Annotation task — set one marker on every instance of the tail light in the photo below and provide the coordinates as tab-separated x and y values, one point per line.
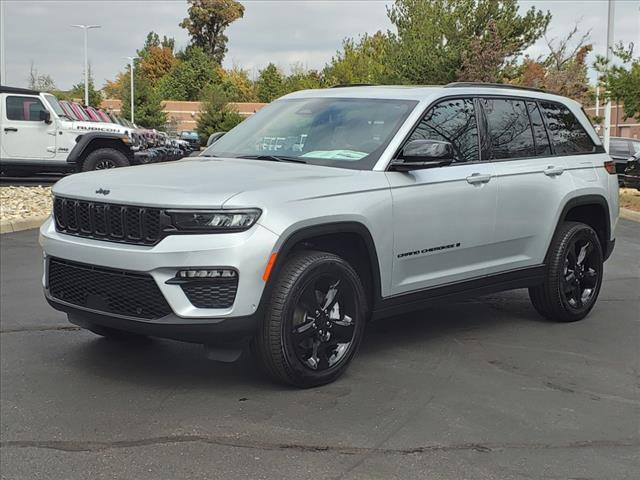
610	167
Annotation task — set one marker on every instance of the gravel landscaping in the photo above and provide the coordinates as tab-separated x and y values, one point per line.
18	203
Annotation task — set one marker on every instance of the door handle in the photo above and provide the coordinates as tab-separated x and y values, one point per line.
10	129
552	171
478	178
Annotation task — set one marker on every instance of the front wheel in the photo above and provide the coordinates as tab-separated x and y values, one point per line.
104	158
314	321
573	275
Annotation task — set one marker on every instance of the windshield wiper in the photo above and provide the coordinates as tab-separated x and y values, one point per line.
273	158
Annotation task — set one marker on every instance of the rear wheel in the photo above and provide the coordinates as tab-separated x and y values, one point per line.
314	321
104	158
573	275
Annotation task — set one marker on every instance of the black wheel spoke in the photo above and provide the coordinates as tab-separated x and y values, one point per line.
304	330
331	297
590	278
342	330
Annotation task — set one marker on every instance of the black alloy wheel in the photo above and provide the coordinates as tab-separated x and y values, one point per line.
573	277
322	326
314	321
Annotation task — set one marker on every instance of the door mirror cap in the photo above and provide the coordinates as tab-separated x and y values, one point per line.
45	116
421	154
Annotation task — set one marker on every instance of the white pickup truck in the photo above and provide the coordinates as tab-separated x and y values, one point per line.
37	136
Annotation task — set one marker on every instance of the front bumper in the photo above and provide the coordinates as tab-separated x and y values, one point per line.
247	252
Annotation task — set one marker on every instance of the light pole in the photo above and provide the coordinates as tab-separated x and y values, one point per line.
607	108
131	60
86	60
3	60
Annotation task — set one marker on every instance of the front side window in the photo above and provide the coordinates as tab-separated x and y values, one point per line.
452	121
29	109
508	129
567	134
338	132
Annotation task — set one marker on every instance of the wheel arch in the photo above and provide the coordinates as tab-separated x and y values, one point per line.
351	240
592	210
90	142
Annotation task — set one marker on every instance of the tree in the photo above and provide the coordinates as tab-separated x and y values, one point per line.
622	82
40	81
216	115
190	75
207	22
362	61
237	85
156	57
302	79
484	60
113	88
563	70
269	83
77	91
432	37
147	103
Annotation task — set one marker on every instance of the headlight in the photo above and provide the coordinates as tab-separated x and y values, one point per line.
214	220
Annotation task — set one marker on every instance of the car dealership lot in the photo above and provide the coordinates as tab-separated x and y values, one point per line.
477	388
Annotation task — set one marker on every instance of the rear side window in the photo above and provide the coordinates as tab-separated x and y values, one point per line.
24	109
543	147
452	121
567	134
508	128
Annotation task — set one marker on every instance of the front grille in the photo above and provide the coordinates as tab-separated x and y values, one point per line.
106	290
211	294
107	221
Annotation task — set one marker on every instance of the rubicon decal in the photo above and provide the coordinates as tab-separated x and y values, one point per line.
428	250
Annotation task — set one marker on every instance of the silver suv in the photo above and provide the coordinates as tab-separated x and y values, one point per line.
330	208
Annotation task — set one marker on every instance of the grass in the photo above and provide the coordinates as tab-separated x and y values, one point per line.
630	198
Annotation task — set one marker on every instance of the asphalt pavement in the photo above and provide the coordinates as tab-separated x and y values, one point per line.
481	388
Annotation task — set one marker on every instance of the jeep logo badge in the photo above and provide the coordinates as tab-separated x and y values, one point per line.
102	191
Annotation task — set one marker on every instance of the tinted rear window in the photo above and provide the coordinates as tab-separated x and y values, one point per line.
543	147
567	134
509	129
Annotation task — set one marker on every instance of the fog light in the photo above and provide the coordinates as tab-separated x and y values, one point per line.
213	273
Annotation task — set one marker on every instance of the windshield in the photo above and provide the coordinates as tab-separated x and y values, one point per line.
53	102
337	132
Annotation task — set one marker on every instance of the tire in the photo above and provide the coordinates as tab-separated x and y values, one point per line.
114	334
573	275
104	158
298	341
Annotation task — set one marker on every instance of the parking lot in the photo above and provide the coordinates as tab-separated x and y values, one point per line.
481	388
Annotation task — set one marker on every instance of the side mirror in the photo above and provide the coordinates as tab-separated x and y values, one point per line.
421	154
214	137
45	116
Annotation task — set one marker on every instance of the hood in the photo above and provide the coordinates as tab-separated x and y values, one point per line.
200	182
84	127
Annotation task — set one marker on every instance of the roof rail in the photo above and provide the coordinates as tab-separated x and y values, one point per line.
493	85
346	85
23	91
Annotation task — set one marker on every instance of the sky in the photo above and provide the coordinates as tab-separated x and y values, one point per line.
306	32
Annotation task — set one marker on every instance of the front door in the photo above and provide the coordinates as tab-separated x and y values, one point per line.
444	218
24	134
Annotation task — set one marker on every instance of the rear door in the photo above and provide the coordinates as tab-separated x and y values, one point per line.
24	134
444	218
540	151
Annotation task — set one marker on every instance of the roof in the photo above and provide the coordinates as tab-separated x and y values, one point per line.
23	91
425	92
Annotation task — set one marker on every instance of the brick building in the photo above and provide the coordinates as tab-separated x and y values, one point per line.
629	128
184	115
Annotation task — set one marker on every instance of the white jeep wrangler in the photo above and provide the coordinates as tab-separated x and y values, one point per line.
37	136
329	208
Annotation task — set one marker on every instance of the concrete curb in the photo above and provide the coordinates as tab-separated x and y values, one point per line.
9	226
630	214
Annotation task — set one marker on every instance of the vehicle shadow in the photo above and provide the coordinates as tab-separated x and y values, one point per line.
166	363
